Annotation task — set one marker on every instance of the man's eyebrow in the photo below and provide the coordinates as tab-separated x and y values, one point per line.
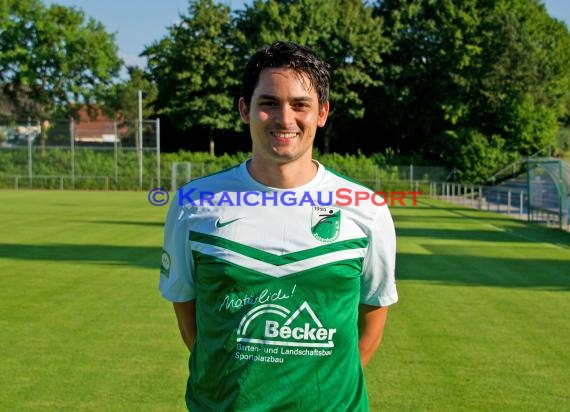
266	97
303	99
296	99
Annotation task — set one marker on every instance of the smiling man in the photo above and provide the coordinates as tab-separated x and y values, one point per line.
281	306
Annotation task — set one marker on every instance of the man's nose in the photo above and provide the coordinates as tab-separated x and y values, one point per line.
286	116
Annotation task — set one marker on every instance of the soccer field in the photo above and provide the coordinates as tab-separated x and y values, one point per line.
482	323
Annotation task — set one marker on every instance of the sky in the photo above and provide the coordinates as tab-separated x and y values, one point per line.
139	24
136	24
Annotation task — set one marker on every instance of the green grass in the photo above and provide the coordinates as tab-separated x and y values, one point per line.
482	322
481	325
83	325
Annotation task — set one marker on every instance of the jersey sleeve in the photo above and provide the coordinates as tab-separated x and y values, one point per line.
176	275
378	283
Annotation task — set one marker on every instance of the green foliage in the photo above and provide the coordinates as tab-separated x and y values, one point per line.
480	156
498	69
55	56
122	98
356	166
534	127
194	68
417	76
527	79
563	143
95	169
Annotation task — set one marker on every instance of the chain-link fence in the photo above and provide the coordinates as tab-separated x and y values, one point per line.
98	154
387	178
91	154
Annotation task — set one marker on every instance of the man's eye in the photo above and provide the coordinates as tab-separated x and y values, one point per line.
301	106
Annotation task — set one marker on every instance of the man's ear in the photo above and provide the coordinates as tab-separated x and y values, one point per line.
243	110
323	114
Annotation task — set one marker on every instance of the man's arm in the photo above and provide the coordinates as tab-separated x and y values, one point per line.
186	316
371	321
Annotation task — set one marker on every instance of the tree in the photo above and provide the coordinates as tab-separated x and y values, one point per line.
122	98
431	71
122	104
55	57
465	71
527	74
194	68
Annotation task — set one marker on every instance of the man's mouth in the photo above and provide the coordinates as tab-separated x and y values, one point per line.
280	135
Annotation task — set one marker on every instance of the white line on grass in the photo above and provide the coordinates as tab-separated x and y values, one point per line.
510	232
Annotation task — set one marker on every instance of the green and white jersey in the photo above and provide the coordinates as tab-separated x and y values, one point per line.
277	275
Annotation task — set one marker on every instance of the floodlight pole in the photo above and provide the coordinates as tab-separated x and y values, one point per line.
562	209
140	142
528	202
158	153
116	158
72	144
30	157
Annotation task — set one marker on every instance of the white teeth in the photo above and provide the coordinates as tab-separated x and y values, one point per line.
285	135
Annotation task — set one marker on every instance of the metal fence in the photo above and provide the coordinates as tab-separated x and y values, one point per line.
510	201
541	200
126	156
388	178
106	155
100	154
91	154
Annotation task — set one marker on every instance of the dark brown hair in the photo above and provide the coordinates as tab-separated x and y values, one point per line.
285	54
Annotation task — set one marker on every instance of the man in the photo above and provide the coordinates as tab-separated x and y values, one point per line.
281	295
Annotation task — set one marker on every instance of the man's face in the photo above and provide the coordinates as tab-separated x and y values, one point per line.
283	116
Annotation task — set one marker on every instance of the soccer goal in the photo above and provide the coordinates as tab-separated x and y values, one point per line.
181	173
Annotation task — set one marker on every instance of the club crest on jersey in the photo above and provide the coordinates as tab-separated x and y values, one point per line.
165	263
325	223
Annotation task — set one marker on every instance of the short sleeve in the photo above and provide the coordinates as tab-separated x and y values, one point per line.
176	275
378	283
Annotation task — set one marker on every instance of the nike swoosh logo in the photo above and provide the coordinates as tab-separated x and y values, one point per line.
219	223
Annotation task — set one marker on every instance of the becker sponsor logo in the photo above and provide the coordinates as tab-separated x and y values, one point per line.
272	324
